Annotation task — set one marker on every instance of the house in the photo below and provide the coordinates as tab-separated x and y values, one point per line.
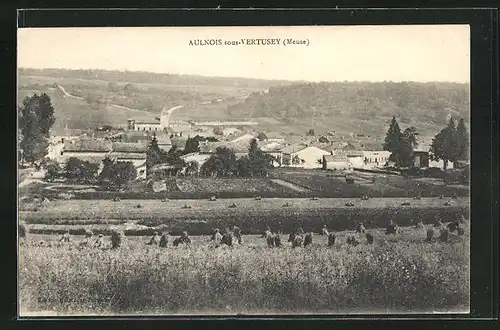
303	156
336	162
228	131
335	147
375	158
421	158
197	157
211	147
275	137
243	138
150	126
141	172
355	158
129	152
164	142
133	136
273	149
86	149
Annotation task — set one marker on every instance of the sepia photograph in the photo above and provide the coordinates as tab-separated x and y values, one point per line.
253	170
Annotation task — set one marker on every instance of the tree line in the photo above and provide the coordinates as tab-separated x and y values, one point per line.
449	145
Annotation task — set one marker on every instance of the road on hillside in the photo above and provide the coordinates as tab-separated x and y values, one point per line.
164	111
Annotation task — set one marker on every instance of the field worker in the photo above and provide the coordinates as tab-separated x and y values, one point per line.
324	231
269	238
217	237
185	238
361	227
237	234
163	240
65	237
155	240
99	243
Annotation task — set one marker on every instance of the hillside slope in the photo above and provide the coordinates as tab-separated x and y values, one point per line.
79	114
359	107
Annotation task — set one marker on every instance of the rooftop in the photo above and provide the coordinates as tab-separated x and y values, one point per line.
88	145
335	158
137	147
126	155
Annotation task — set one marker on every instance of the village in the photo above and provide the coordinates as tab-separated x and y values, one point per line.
129	144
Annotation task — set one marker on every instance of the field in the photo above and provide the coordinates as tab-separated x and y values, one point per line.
251	215
224	185
400	273
327	184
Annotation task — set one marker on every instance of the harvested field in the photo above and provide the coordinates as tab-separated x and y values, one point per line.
250	214
397	273
224	185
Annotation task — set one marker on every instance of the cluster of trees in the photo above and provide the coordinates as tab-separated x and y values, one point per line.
224	163
155	155
193	144
113	174
401	143
449	145
36	117
116	175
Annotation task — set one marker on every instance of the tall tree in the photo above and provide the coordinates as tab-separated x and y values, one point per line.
221	163
260	162
393	138
409	142
46	118
192	145
446	145
463	140
154	154
36	117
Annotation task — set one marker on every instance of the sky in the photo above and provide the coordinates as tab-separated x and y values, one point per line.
334	53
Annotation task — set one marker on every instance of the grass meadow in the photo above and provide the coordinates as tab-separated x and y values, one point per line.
401	273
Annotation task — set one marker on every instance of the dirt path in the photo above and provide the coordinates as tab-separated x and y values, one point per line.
290	185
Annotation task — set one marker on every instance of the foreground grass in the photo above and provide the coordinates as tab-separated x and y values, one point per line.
396	275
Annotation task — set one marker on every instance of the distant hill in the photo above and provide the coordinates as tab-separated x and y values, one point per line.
278	106
152	78
359	107
146	92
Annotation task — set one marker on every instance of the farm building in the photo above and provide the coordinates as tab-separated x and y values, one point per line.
275	137
336	162
273	149
421	158
303	156
86	148
196	157
135	125
375	158
129	152
164	142
230	131
243	138
355	158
